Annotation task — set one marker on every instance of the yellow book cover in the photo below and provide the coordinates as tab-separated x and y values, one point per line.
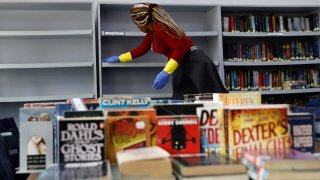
238	99
254	128
126	132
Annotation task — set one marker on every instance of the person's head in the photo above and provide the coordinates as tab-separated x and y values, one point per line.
146	14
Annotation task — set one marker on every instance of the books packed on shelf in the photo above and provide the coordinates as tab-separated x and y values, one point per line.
126	132
281	164
148	161
78	171
254	128
195	165
36	138
302	131
178	134
81	137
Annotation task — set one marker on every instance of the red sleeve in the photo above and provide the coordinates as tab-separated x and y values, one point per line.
178	45
143	48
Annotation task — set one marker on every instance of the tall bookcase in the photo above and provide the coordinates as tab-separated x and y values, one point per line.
265	46
47	53
118	34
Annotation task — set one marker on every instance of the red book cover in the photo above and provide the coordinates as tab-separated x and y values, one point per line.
179	134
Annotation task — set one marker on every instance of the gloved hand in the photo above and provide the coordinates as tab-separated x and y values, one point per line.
113	59
161	80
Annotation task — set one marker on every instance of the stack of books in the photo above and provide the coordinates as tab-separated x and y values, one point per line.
203	166
281	164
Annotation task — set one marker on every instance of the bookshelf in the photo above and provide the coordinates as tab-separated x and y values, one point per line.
47	53
265	46
117	34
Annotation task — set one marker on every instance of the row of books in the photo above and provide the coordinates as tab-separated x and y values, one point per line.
268	50
252	80
178	128
270	23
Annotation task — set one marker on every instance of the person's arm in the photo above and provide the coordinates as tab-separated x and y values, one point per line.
179	50
177	44
142	49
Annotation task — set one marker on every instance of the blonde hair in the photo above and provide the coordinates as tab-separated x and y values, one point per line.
142	13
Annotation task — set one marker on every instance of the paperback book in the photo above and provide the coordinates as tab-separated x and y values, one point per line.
78	171
81	139
147	161
36	138
209	118
205	165
302	131
179	134
126	132
254	128
150	112
238	99
124	101
177	109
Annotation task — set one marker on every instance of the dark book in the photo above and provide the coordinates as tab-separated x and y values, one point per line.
204	165
75	171
313	110
302	131
81	139
177	109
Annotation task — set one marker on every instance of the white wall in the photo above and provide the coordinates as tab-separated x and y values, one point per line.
203	2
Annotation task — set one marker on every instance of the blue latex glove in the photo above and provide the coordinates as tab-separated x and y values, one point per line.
161	80
113	59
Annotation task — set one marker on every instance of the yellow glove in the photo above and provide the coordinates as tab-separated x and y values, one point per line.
171	66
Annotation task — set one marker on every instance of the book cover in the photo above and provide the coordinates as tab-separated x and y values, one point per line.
81	139
179	134
138	112
123	101
126	132
238	99
254	128
209	119
67	171
60	112
36	138
36	145
204	165
302	131
314	110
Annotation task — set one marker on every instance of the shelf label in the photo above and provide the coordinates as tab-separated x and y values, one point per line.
275	34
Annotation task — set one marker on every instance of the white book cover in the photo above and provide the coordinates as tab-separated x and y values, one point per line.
36	138
141	154
36	146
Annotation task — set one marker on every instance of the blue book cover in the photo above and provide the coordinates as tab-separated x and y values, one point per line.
122	102
302	131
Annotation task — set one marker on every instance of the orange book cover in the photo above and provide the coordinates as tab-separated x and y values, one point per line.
238	99
126	132
254	128
138	112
